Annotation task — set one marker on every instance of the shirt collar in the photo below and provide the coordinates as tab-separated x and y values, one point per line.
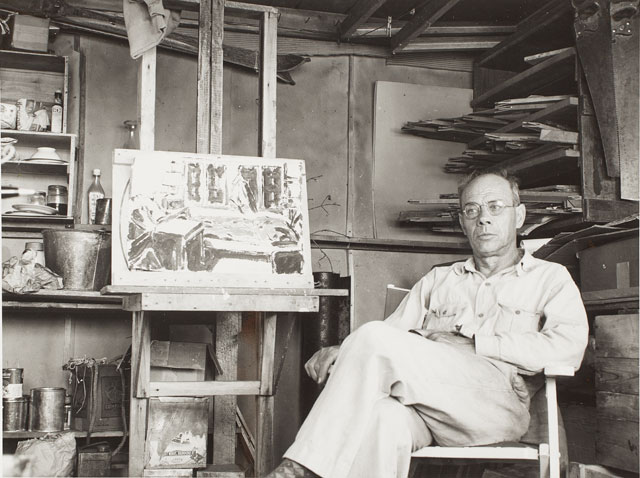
523	265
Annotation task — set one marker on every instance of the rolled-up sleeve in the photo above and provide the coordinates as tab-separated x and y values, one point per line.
561	340
411	311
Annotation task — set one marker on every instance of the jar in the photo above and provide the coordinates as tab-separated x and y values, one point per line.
38	249
57	198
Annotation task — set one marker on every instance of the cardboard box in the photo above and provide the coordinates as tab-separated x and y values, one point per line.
178	361
177	432
610	266
29	33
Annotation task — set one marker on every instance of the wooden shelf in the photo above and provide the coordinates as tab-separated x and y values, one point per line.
563	111
42	135
31	224
22	167
21	435
31	61
531	81
61	299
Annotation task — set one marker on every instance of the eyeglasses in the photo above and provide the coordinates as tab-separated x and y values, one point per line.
472	209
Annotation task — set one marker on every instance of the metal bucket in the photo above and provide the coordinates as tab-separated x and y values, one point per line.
14	414
82	258
47	409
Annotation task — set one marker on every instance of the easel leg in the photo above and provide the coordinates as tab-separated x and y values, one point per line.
265	402
264	441
224	407
140	343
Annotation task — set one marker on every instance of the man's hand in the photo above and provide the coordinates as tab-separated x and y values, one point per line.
452	339
318	366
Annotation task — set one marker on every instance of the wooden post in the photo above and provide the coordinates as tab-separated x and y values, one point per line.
140	351
203	110
141	331
147	99
265	401
268	63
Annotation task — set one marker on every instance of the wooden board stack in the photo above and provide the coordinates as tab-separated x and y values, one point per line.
543	205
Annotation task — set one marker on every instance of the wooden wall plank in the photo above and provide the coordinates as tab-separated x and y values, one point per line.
618	375
617	335
617	444
617	406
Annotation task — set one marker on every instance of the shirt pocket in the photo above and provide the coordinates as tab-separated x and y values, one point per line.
513	318
444	317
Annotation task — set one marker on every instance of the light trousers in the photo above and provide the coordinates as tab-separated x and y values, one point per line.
391	392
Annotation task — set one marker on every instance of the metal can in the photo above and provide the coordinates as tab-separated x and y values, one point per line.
47	409
12	382
14	414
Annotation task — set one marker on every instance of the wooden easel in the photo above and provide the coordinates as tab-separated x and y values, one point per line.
228	304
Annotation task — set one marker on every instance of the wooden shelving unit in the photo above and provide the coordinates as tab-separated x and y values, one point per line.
552	76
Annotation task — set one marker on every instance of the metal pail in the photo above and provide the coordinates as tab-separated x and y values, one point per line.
14	414
47	409
82	258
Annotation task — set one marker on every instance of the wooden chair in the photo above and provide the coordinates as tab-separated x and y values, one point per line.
546	453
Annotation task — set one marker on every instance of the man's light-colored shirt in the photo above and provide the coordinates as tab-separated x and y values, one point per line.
529	315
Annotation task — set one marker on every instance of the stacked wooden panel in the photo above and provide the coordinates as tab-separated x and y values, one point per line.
617	391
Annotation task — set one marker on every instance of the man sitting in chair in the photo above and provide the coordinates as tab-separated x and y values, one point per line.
450	365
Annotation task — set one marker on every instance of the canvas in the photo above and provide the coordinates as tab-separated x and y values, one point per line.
200	220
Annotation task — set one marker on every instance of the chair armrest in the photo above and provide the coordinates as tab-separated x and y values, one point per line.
559	371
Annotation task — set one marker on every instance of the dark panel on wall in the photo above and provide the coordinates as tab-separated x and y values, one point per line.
312	125
374	270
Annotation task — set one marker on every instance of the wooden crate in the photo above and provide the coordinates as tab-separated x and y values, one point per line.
617	391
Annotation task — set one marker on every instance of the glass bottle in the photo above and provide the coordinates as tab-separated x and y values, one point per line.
94	193
131	141
56	113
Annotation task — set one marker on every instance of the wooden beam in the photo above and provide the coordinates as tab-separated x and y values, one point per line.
222	303
268	66
147	99
217	33
203	389
459	43
358	14
203	119
422	20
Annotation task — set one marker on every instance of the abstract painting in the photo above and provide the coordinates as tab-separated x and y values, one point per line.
201	220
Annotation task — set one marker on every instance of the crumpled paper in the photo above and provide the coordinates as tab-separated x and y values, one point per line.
25	275
51	455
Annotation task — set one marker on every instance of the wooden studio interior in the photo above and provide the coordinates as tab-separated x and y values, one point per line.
198	195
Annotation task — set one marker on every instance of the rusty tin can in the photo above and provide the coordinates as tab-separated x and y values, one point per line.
12	382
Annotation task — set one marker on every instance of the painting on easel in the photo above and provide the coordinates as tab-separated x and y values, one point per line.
199	220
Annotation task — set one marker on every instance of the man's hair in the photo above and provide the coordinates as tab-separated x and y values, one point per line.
502	173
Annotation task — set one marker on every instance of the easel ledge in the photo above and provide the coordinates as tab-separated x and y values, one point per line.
131	289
